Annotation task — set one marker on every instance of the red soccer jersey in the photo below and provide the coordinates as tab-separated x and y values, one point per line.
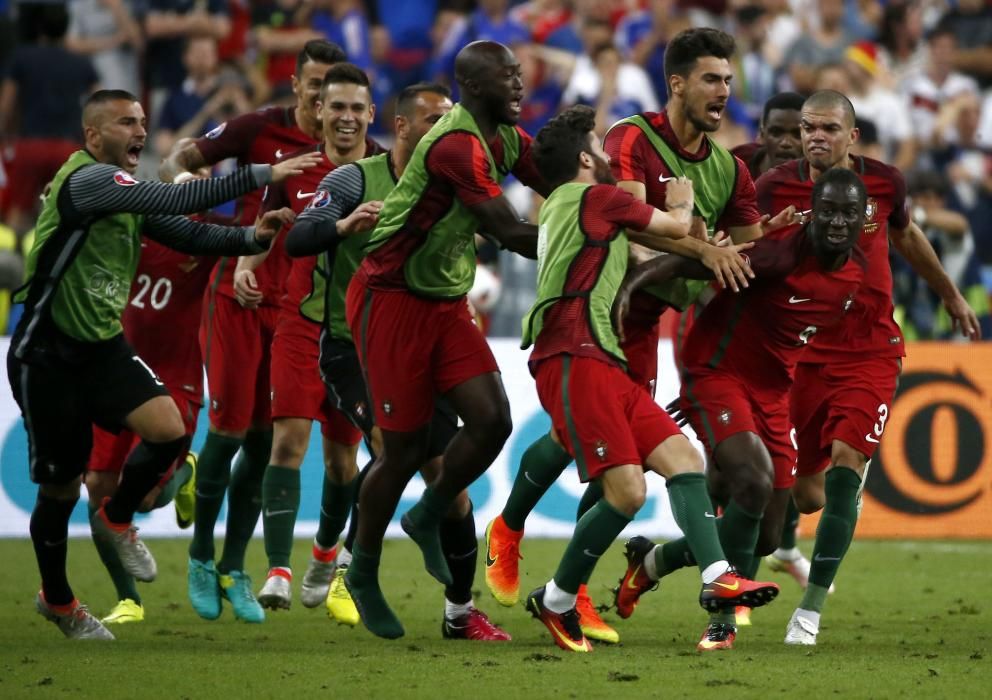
760	333
869	329
750	154
162	318
604	212
632	157
459	167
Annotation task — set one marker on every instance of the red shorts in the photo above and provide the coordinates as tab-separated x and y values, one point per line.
33	164
601	417
719	405
411	350
236	349
297	389
110	451
640	345
847	401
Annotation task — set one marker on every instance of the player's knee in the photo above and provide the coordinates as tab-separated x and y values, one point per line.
842	454
676	455
100	485
809	501
769	538
65	491
629	496
493	423
340	465
168	428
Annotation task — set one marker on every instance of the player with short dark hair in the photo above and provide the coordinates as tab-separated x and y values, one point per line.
413	283
237	344
600	416
738	365
845	382
779	139
69	365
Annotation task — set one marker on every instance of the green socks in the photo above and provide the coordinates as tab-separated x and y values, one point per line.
214	471
789	527
335	505
362	581
738	531
833	535
422	523
244	499
693	513
542	464
124	582
179	477
594	534
280	503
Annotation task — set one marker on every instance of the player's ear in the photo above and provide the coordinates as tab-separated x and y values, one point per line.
295	82
585	160
676	84
371	113
855	134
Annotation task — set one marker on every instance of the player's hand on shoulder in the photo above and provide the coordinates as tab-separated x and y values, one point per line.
787	217
678	194
246	289
364	218
295	166
724	259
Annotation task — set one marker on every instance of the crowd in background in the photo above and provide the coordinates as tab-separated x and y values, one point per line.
919	74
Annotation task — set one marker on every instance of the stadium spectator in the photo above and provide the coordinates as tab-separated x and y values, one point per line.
825	43
107	31
785	24
491	22
755	76
971	22
900	46
342	22
568	37
642	35
542	17
40	109
280	36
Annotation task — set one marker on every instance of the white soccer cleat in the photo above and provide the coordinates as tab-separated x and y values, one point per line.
78	624
801	631
276	593
134	555
316	582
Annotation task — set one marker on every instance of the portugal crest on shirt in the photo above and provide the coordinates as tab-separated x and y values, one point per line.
871	208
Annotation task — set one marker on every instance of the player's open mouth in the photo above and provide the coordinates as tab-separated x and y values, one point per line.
346	130
133	153
837	238
715	111
515	105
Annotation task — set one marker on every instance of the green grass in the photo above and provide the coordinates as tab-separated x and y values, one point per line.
908	619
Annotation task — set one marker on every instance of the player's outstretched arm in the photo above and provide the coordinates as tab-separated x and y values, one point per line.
914	246
198	238
673	223
500	222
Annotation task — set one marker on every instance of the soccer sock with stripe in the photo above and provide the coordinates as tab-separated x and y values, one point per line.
280	503
594	534
143	469
692	511
214	472
335	503
124	583
461	551
179	477
49	535
542	463
349	539
244	499
833	535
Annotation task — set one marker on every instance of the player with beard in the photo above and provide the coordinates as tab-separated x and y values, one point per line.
779	139
413	283
600	416
846	381
646	152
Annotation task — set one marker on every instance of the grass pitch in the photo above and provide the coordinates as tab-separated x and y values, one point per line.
909	619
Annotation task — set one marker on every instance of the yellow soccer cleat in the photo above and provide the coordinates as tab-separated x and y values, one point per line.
742	616
340	606
125	611
592	625
185	500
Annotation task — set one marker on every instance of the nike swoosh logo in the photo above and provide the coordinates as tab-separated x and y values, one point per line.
490	559
709	515
793	300
278	153
871	438
566	639
662	178
300	194
590	554
270	513
55	544
630	581
737	584
820	557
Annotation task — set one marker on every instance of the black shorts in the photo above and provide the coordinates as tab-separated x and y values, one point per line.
346	389
60	402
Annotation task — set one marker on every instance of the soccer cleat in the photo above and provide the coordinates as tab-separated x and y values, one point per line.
76	624
742	616
235	586
502	555
797	568
125	611
316	582
185	500
276	593
717	637
730	590
340	606
564	627
591	624
203	589
473	625
635	581
134	555
801	631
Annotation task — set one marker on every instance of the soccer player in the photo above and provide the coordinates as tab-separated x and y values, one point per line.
779	139
412	284
646	152
345	111
845	382
599	415
69	364
237	343
344	199
738	365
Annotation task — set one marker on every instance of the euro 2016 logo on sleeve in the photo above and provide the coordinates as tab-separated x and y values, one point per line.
934	465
